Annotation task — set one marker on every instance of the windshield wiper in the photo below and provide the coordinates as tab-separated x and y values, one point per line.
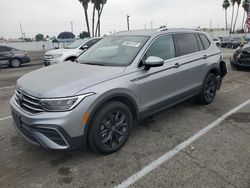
98	64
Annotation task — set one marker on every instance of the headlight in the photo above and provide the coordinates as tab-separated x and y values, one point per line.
57	56
62	104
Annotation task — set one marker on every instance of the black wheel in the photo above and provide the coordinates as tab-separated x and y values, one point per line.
208	91
15	63
110	127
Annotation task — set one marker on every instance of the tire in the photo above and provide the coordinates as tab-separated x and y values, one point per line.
15	63
110	128
208	91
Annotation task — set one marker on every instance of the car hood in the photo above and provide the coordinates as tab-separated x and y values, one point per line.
59	51
65	79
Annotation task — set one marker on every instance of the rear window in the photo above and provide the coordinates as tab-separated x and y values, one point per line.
205	41
186	43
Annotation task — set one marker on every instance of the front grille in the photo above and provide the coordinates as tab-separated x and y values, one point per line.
27	102
48	58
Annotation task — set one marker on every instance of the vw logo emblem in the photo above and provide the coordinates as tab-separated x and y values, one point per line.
20	98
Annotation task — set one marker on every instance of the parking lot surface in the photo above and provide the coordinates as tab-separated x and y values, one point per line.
219	158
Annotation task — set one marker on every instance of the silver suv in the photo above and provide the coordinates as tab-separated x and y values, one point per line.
124	77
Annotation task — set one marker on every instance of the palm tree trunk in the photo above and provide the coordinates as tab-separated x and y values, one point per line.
244	15
231	27
98	25
236	17
226	18
93	21
87	19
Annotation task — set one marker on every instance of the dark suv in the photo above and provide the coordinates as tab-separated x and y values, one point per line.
13	57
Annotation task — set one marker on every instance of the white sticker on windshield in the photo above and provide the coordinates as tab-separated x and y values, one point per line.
131	44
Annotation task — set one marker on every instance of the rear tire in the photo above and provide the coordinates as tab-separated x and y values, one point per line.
208	91
110	128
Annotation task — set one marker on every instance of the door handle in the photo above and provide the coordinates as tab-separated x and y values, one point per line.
177	65
205	57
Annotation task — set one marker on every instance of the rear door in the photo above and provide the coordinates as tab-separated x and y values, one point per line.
159	85
192	59
5	54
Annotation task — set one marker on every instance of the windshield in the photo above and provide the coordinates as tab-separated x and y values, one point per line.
76	43
114	51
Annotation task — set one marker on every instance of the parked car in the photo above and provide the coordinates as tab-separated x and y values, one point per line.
13	57
124	77
226	42
217	41
241	57
236	42
70	52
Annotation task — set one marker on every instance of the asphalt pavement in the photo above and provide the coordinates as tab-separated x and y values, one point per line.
218	158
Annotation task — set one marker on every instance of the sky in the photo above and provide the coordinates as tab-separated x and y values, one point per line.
50	17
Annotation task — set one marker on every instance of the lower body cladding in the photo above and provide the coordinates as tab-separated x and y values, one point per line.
52	130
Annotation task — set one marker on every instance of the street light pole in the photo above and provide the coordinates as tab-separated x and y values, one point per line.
128	22
71	24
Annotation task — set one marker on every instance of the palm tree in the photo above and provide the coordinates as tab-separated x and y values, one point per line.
85	4
233	3
225	5
93	16
238	3
245	5
99	8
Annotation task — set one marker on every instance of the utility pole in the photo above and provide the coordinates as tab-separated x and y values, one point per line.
71	24
210	25
128	22
151	23
21	30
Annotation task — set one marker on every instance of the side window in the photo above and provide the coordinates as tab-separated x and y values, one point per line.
162	47
200	42
92	42
186	43
205	41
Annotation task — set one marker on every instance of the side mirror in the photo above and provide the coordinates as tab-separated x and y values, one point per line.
84	47
153	61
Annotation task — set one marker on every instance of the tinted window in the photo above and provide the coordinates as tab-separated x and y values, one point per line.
205	41
4	49
186	44
92	42
200	43
162	47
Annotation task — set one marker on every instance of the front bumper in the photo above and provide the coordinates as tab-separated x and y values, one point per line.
240	63
48	60
25	59
59	130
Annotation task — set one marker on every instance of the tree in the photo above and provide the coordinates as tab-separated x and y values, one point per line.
238	3
245	6
233	3
39	37
84	34
225	6
85	4
100	6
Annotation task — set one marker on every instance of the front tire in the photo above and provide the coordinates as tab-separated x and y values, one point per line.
15	63
208	91
110	127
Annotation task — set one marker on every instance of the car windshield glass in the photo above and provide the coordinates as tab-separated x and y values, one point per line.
76	44
246	50
114	51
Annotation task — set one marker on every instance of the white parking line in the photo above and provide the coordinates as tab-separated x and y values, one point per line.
9	87
5	118
147	169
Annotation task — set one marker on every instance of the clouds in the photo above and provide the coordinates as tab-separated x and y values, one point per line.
52	17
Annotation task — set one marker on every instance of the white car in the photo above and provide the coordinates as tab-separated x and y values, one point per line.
70	52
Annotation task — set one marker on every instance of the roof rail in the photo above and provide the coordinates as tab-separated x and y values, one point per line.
162	29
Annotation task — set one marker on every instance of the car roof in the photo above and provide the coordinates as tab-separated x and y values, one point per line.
153	32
